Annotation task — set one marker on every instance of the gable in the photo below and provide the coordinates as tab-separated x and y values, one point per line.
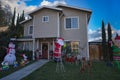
43	8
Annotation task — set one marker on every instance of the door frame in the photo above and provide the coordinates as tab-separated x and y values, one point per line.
48	48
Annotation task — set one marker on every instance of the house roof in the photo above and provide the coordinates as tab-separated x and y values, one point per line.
26	20
68	6
57	9
45	7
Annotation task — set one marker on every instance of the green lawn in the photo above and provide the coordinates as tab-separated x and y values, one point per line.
99	72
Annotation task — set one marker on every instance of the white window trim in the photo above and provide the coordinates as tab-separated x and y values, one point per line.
29	30
71	17
43	18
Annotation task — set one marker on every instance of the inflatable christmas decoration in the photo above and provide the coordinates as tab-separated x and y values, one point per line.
10	57
116	48
15	64
24	60
58	54
116	52
5	66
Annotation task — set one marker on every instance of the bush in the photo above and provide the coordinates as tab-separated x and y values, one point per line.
2	53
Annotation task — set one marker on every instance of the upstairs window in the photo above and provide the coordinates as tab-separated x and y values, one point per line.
71	23
31	30
45	19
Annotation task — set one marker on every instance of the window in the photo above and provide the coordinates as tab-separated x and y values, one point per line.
45	19
75	46
71	23
72	46
30	29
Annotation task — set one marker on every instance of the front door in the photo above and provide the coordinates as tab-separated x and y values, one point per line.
45	50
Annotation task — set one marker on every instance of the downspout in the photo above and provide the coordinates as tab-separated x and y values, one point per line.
33	54
87	53
58	22
33	49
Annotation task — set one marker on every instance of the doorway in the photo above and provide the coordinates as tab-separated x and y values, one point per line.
45	50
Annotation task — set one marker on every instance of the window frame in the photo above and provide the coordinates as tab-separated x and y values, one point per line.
77	17
72	44
29	30
44	20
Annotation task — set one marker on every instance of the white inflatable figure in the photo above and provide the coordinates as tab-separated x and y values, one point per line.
25	57
60	41
10	57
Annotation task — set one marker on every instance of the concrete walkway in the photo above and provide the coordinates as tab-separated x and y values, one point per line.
25	71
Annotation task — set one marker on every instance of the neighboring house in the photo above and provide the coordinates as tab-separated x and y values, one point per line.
48	23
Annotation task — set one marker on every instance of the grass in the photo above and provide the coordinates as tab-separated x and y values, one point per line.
99	71
12	69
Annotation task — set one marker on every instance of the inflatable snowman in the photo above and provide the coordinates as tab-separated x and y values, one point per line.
10	57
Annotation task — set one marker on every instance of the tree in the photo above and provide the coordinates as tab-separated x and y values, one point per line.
5	15
117	35
2	16
104	51
8	14
110	54
19	27
22	18
12	27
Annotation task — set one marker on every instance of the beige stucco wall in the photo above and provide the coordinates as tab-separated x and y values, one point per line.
75	34
26	28
46	29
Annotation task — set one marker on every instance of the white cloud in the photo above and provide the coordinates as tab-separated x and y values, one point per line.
118	31
20	5
47	3
44	3
94	34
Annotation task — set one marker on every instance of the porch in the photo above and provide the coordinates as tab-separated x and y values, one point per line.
44	45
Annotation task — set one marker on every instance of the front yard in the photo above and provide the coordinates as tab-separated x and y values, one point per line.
99	71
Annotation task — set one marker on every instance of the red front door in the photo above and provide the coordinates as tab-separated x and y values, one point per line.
45	50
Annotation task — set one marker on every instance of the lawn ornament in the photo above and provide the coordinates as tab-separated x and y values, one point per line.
116	51
24	60
25	57
5	65
38	54
86	65
22	63
58	54
10	57
116	48
15	64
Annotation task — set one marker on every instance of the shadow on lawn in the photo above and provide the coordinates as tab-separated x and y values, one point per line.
99	71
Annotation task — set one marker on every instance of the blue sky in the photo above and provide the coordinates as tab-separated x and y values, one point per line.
106	10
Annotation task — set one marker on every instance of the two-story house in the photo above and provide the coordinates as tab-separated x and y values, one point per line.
48	23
